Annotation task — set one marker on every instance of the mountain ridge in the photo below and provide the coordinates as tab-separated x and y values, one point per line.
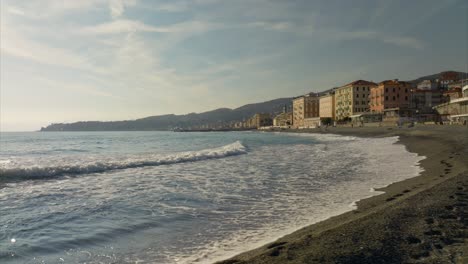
219	116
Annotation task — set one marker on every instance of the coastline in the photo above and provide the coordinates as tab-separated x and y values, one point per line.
419	220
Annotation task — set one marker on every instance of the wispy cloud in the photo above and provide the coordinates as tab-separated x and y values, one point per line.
75	87
173	7
15	44
117	7
280	26
49	8
132	26
15	10
119	26
401	41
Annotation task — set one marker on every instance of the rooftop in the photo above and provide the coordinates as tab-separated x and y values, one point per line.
360	82
393	82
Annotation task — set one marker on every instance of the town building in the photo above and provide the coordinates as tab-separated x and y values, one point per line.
390	94
456	110
457	84
327	106
428	85
423	102
453	93
306	106
352	98
259	120
284	119
312	122
447	78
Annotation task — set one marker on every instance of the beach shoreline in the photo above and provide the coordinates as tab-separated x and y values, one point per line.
419	220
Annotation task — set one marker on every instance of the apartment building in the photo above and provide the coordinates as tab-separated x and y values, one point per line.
352	98
304	107
327	105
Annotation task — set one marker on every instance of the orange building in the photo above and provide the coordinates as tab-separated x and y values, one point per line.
390	94
306	106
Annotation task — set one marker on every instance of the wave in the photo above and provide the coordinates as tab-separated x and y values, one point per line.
12	172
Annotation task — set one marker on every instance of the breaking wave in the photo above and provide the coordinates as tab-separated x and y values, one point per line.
14	171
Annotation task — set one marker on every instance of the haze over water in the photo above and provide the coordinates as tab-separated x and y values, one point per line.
164	197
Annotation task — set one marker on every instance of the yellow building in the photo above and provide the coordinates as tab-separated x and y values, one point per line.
306	106
283	120
352	98
259	120
327	106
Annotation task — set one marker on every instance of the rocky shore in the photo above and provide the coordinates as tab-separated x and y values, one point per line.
419	220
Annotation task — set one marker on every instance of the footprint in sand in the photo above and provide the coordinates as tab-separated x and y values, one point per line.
429	221
449	207
448	217
413	240
433	233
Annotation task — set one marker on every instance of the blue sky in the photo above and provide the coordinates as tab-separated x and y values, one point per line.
64	61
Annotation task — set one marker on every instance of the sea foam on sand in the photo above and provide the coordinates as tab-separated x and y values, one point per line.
379	162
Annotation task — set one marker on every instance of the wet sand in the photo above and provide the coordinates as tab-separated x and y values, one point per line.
419	220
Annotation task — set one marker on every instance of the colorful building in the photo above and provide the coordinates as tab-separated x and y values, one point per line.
259	120
283	120
390	94
306	106
456	110
453	93
327	106
428	85
447	78
352	98
423	102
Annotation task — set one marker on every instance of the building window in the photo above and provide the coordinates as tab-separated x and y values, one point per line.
393	89
393	98
406	90
386	90
386	98
357	88
406	98
357	95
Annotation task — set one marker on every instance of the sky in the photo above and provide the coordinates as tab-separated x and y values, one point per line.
66	60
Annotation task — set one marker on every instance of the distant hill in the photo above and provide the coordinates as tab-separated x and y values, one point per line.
166	122
432	77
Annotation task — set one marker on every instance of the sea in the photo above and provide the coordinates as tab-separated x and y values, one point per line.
172	197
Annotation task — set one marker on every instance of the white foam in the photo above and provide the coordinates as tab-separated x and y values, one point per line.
381	163
256	199
65	166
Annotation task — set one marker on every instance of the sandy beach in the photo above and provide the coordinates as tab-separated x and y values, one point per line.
419	220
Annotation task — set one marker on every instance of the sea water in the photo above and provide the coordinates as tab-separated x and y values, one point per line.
166	197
